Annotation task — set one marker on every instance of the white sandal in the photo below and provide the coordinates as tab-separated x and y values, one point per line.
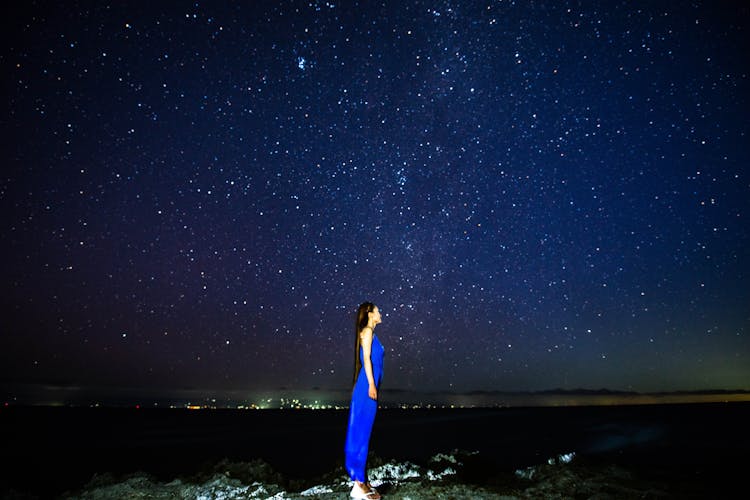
360	494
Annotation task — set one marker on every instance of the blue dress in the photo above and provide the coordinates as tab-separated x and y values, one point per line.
362	414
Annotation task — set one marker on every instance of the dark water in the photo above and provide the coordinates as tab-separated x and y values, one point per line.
699	450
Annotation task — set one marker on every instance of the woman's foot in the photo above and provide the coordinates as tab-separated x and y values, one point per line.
364	491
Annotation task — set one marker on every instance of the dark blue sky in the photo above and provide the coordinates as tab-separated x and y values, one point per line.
536	194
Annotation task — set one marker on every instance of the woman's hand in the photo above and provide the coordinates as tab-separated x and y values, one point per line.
373	392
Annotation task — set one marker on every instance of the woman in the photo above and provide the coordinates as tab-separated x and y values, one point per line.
368	370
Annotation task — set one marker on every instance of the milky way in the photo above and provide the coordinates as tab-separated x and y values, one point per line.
535	194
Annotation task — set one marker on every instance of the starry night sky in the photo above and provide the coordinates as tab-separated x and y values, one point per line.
535	194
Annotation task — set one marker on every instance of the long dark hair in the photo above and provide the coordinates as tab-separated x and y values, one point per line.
362	318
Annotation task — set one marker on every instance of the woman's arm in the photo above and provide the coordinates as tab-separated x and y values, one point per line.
366	350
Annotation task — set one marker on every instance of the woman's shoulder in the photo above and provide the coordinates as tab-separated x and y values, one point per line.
365	332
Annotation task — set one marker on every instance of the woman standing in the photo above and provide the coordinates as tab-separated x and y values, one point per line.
368	370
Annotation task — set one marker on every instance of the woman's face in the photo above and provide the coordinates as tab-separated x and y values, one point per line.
375	315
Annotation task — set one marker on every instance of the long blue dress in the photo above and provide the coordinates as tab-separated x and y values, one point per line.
362	414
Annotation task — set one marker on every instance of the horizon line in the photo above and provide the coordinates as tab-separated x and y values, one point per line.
395	390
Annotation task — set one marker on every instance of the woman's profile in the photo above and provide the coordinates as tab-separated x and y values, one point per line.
368	370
